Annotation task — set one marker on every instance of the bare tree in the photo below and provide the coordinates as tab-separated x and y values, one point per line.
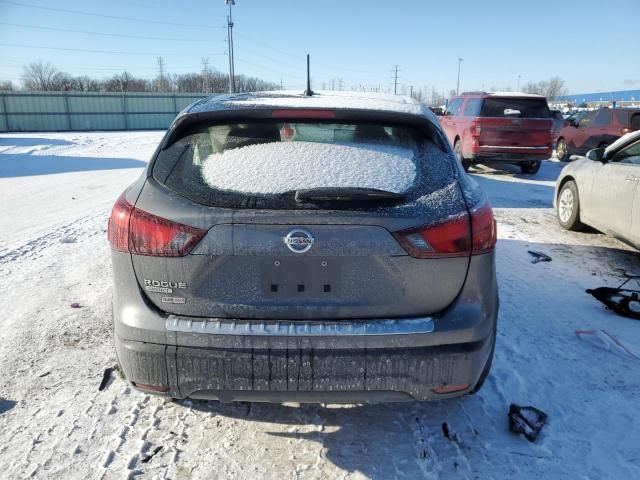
552	88
6	86
40	76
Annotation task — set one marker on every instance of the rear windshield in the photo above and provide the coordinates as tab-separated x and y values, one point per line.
515	107
264	164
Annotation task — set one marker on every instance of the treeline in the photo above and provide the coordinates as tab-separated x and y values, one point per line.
41	76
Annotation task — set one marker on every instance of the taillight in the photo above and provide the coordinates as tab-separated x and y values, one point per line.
458	237
118	228
483	229
141	233
475	129
624	131
303	113
449	239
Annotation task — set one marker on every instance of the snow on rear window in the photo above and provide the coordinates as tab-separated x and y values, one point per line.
272	168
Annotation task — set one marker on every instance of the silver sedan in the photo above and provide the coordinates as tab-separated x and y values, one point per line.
602	190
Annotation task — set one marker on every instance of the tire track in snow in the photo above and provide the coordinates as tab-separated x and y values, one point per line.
84	227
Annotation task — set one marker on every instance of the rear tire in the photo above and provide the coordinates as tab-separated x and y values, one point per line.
568	207
457	147
562	152
531	167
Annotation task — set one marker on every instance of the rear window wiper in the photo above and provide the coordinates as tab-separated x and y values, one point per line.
348	194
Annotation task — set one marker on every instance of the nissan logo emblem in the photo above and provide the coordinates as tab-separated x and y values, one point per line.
299	240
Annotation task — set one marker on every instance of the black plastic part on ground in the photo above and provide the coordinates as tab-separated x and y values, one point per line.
526	420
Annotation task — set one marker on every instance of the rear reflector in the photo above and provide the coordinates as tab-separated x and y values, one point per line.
141	233
450	388
459	237
151	388
303	113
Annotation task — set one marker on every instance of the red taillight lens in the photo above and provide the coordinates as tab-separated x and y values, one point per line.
483	229
118	229
448	239
141	233
459	237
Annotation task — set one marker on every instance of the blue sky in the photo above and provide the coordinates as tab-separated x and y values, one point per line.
592	45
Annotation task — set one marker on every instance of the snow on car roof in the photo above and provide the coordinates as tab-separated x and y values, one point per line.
514	94
321	99
629	137
285	166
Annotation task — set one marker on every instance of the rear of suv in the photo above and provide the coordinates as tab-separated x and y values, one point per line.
596	129
323	248
500	127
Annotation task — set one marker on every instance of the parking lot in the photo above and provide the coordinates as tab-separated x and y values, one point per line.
56	192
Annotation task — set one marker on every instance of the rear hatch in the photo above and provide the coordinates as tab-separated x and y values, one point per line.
305	219
515	122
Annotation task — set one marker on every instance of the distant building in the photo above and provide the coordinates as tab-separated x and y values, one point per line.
620	97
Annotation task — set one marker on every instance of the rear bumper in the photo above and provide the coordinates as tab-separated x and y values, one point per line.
304	375
316	361
511	154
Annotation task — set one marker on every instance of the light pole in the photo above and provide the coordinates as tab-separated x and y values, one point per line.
458	85
232	75
518	87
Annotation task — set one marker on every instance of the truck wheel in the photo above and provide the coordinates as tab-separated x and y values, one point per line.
561	150
568	207
531	167
466	164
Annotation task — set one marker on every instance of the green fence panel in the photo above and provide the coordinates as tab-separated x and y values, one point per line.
79	111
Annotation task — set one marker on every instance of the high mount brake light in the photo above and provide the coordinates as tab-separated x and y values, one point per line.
459	237
303	113
141	233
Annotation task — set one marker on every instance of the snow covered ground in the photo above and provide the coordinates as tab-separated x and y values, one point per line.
56	191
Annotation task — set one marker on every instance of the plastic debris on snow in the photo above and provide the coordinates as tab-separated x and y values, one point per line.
539	256
604	340
526	420
622	301
106	378
280	167
75	305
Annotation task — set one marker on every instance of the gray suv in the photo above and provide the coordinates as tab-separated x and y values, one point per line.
325	248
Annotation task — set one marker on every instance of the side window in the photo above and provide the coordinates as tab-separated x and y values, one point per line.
454	107
603	119
472	108
628	155
587	119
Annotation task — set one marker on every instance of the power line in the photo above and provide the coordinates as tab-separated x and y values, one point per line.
121	35
102	51
112	17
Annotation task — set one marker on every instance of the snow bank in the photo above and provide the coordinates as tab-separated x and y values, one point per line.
284	166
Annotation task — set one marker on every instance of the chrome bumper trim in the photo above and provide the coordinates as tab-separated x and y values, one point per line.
287	328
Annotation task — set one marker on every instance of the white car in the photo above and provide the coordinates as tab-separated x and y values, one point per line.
602	190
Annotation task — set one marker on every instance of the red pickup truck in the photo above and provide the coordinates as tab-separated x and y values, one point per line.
505	127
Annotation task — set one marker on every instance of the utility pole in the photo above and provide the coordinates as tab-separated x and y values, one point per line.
161	73
411	91
518	87
458	85
395	82
232	75
205	75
